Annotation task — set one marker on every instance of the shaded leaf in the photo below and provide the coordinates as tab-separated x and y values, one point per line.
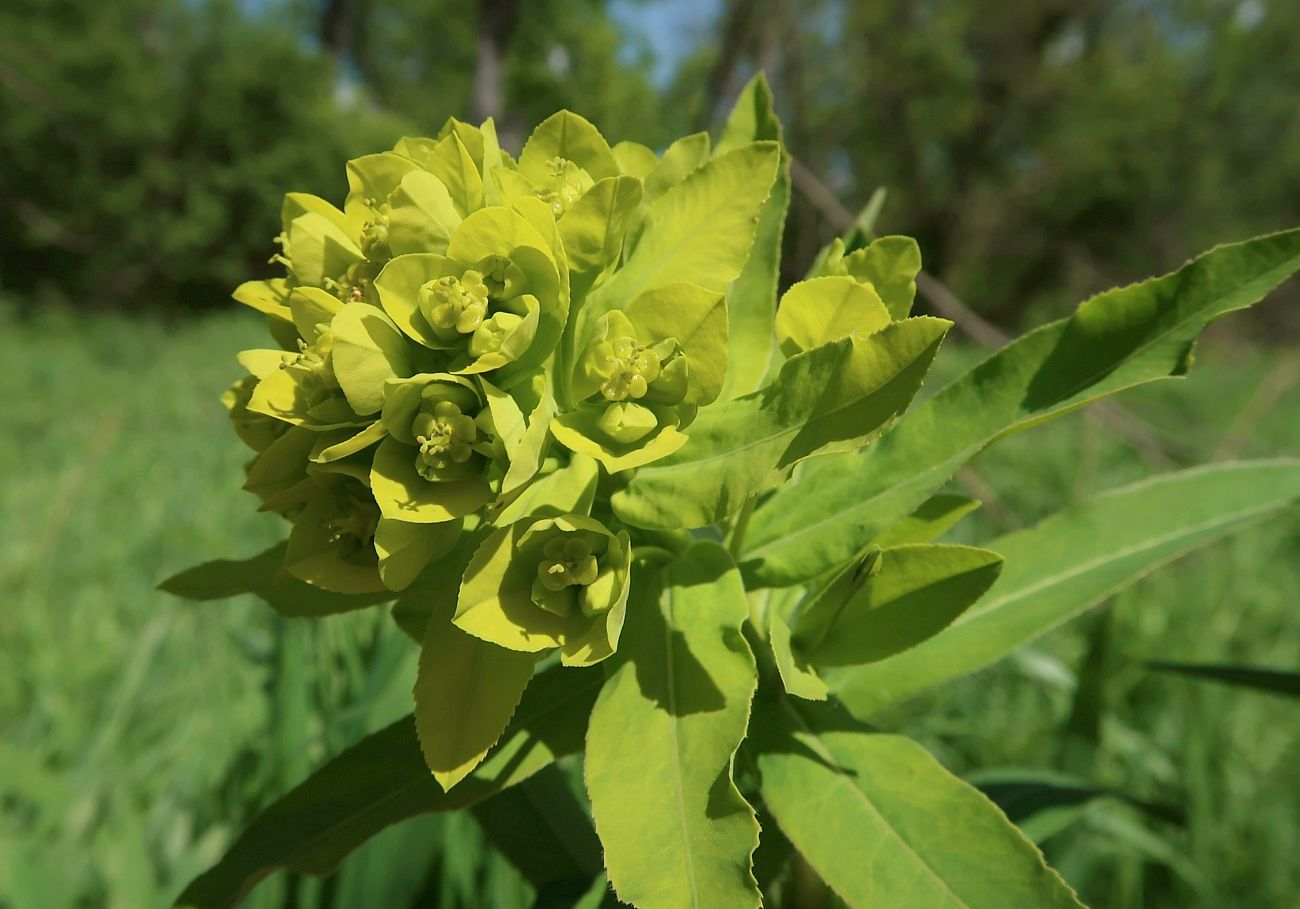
262	575
884	824
912	594
382	780
542	829
1277	681
676	831
1075	559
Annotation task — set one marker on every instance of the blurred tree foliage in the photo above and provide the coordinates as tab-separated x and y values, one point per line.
1039	149
145	144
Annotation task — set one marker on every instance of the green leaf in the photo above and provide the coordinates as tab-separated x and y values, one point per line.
499	600
368	350
404	495
839	393
569	136
820	310
529	450
1043	803
935	517
912	593
681	159
696	319
541	829
1277	681
752	118
422	216
404	549
465	692
676	831
884	824
1075	559
798	676
593	229
453	164
890	265
1119	339
372	179
311	309
567	490
263	576
382	780
635	159
751	299
699	232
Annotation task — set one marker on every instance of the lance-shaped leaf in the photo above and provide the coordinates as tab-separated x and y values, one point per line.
836	394
1122	338
752	118
263	576
382	780
1074	560
751	299
542	829
465	693
912	593
884	824
1042	803
935	517
699	232
676	831
1277	681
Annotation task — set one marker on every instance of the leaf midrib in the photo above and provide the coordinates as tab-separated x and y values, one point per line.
1052	580
1101	372
685	238
844	779
414	784
677	756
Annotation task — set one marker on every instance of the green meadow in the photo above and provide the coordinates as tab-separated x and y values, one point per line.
138	733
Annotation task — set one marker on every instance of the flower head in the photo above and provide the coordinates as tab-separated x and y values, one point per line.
549	582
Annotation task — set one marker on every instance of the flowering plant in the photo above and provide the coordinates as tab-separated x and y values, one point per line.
557	411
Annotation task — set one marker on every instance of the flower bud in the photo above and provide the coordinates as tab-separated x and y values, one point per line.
455	306
492	333
627	423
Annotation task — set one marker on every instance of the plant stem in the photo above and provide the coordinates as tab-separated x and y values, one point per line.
738	529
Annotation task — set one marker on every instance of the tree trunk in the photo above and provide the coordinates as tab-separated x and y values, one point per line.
496	24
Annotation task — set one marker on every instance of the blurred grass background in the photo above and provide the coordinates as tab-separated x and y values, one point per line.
1040	151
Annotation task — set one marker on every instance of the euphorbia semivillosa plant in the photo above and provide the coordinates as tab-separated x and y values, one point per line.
650	518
